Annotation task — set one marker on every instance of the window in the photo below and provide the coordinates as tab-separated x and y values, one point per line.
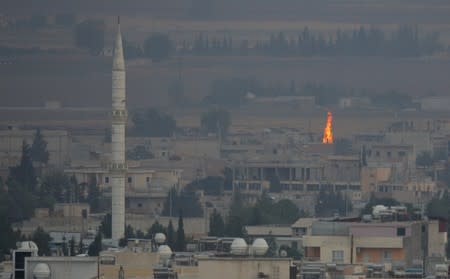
130	179
147	179
401	154
140	205
389	154
387	255
401	231
377	153
338	256
106	179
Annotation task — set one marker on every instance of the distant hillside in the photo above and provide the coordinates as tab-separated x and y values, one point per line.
369	11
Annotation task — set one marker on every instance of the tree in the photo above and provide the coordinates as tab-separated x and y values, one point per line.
42	239
54	188
139	152
211	185
255	217
180	244
8	237
272	251
329	203
22	188
24	173
96	246
216	121
90	34
106	226
275	185
186	201
93	197
129	233
216	224
170	235
72	247
153	123
80	247
39	152
154	229
234	226
157	47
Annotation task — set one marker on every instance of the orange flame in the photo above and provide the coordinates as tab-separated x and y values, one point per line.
328	131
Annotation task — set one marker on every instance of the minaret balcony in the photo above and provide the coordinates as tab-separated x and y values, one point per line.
119	116
118	167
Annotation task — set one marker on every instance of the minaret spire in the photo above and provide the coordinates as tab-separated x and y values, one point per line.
118	166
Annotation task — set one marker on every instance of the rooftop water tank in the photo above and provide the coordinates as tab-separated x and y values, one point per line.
260	247
164	252
27	246
239	247
160	238
41	271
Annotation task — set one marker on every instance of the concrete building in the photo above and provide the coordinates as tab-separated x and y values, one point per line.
61	267
396	243
243	267
331	173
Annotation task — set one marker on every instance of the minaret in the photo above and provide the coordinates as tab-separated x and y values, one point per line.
118	165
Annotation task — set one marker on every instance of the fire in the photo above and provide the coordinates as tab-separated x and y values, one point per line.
328	131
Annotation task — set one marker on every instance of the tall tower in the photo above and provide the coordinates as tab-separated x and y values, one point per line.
118	165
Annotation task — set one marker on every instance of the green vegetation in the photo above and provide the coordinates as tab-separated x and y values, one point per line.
180	242
362	41
153	123
106	226
96	246
39	151
139	152
216	121
170	235
329	203
211	185
216	225
265	211
184	201
42	239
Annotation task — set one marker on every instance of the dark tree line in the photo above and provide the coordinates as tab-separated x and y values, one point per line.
235	92
329	203
405	41
153	123
363	41
265	211
185	201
